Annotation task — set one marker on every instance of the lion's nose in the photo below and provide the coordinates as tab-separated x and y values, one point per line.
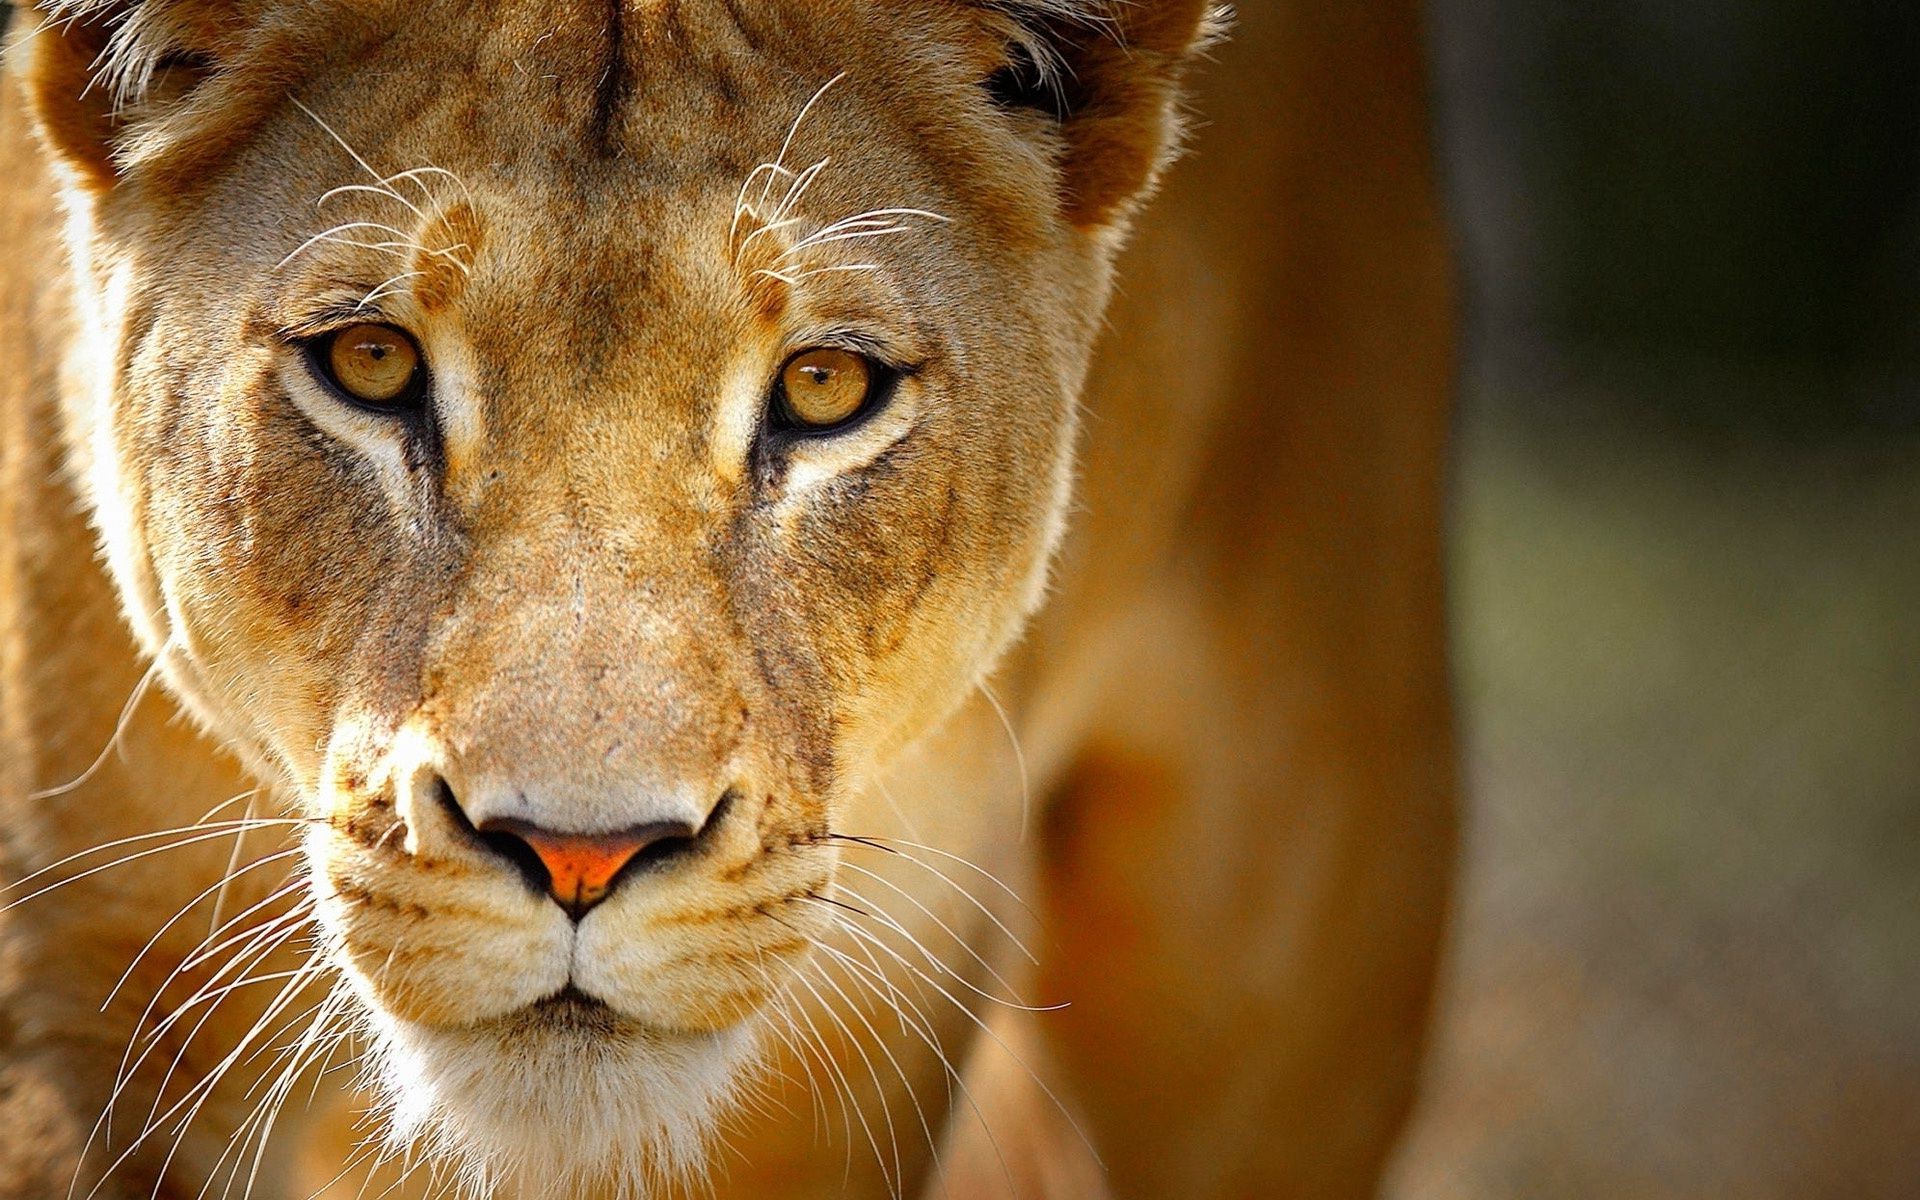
580	870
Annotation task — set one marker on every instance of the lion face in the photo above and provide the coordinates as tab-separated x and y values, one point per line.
574	452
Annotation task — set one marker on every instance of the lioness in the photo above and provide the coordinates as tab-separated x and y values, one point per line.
623	678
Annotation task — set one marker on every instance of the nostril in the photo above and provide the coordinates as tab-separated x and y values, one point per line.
517	851
579	870
505	844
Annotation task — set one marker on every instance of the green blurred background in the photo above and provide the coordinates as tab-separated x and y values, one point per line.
1687	602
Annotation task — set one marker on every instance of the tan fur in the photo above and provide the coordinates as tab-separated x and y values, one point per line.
591	593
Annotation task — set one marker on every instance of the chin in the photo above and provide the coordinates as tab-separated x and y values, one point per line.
558	1100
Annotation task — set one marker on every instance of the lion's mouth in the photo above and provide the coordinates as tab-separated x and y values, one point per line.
574	1010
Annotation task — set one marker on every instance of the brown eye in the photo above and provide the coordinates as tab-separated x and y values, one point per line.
825	387
374	364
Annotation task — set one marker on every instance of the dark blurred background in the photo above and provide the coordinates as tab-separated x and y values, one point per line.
1687	602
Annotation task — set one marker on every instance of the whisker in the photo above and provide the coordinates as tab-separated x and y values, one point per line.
402	242
120	727
964	943
891	846
983	1027
934	961
253	949
1019	757
225	880
879	1158
849	970
201	1090
843	1089
374	189
985	910
798	189
880	1090
794	130
954	1078
388	288
343	144
309	1048
211	832
794	278
777	1005
233	861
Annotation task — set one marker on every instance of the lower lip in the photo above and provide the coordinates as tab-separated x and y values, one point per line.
572	1006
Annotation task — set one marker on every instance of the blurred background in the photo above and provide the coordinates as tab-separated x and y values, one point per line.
1687	602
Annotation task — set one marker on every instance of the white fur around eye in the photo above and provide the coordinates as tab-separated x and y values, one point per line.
813	461
380	438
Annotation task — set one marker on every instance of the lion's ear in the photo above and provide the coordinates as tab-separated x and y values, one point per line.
96	71
1107	77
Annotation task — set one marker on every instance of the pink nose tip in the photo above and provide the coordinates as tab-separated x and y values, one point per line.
581	868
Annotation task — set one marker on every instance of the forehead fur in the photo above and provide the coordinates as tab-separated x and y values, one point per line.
145	34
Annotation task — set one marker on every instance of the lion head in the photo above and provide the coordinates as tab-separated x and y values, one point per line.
571	445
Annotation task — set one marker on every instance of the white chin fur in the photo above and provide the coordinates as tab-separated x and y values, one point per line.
524	1109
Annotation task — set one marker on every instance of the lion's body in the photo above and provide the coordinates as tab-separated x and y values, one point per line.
1231	712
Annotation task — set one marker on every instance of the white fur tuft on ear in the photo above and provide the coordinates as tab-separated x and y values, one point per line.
101	75
1110	72
135	39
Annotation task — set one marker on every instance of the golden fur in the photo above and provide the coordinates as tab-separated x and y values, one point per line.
588	588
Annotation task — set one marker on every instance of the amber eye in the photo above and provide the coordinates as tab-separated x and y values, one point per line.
374	364
825	387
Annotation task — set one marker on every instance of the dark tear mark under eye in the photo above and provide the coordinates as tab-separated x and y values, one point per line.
773	445
421	448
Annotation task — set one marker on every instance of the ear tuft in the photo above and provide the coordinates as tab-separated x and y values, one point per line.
1110	73
91	67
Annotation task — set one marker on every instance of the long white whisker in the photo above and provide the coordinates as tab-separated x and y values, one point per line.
798	189
118	862
225	881
815	241
402	240
891	846
264	939
928	1036
130	1064
1019	756
793	278
849	1103
371	189
203	1089
390	287
880	1159
983	1027
233	863
880	1090
245	1050
794	130
949	931
342	142
120	726
919	1109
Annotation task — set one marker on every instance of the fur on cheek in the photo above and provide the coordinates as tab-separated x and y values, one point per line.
638	1108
